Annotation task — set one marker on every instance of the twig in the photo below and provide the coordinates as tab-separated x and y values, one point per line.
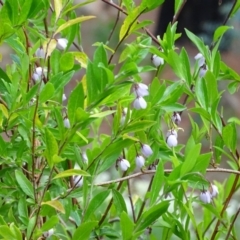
232	224
131	201
209	170
175	17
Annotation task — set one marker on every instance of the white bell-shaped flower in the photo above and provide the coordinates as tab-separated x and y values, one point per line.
157	61
62	43
205	196
66	123
123	164
172	141
203	70
139	103
140	90
171	132
200	59
146	150
40	53
48	233
140	161
213	189
176	118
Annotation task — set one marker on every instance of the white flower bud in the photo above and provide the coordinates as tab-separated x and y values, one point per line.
171	132
62	43
200	59
205	196
66	123
172	141
85	157
157	61
64	98
203	70
176	118
37	75
213	189
40	53
48	233
139	103
123	164
140	161
140	90
146	150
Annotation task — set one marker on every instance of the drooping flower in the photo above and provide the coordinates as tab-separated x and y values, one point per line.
48	233
139	103
146	150
40	53
140	90
140	161
171	138
213	190
123	164
205	196
37	75
200	59
62	43
203	70
176	118
66	123
157	61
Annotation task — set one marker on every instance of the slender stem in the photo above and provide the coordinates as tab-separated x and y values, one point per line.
209	170
110	204
131	201
175	17
145	198
232	224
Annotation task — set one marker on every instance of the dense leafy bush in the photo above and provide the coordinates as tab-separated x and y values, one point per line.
53	151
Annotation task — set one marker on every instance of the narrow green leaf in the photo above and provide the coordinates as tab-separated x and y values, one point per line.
75	101
55	204
51	147
47	92
57	8
151	215
220	31
157	183
66	61
84	230
50	223
230	136
71	172
6	232
127	226
118	201
202	93
17	233
72	22
95	203
24	183
138	126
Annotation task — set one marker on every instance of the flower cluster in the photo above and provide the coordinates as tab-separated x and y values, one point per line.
202	64
140	90
206	196
171	138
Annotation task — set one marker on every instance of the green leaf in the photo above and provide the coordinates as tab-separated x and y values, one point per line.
57	7
17	233
220	31
127	226
24	183
202	93
118	201
157	184
50	223
102	114
47	92
190	159
72	22
25	10
75	101
66	61
95	203
51	147
151	215
138	126
230	136
6	232
30	226
55	204
84	230
71	172
147	5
